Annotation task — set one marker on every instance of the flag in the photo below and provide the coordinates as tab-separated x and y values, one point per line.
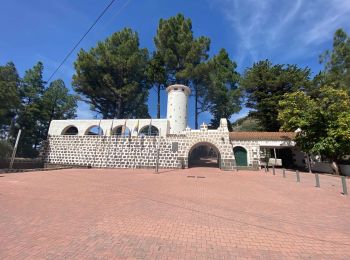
137	126
99	130
123	128
150	128
111	130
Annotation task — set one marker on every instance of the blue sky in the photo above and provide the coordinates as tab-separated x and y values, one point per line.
284	31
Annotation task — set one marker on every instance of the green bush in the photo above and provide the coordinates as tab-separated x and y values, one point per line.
5	149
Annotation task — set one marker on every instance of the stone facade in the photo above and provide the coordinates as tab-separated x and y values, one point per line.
138	152
122	143
253	150
114	151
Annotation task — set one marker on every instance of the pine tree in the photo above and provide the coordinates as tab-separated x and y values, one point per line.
182	56
265	84
337	62
112	76
224	96
9	97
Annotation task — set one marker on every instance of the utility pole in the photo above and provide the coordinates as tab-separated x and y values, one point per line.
15	148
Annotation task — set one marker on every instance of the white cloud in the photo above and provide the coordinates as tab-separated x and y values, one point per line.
282	28
324	19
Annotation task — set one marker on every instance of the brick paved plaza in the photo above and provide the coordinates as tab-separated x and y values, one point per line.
136	214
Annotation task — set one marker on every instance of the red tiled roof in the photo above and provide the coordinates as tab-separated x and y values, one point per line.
270	136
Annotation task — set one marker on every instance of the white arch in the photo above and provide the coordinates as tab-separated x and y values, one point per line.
63	132
210	143
204	143
153	128
233	147
100	130
203	140
126	131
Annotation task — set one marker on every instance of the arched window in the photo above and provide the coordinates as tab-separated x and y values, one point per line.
149	130
94	130
70	130
120	130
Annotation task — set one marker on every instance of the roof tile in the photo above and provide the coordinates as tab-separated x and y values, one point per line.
270	136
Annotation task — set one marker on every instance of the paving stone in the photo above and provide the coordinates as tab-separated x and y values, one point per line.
136	214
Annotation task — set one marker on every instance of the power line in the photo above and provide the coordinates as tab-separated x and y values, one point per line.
81	39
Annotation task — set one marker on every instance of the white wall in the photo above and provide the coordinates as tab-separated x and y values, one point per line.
57	126
177	108
327	168
345	169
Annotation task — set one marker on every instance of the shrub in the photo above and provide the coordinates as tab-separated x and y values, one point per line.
5	149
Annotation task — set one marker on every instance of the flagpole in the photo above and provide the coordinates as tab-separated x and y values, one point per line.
149	138
98	134
136	139
110	140
150	127
122	133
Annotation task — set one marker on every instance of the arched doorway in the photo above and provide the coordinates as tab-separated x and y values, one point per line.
240	156
204	154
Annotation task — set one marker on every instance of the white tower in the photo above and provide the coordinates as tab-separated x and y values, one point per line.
177	107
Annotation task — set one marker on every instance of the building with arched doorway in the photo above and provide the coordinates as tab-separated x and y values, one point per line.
204	154
126	143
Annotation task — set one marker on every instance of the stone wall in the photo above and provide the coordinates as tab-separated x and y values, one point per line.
219	138
109	151
139	152
252	148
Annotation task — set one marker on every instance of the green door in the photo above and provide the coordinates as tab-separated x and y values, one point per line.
240	156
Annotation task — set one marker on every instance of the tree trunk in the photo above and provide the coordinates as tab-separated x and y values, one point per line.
158	101
335	167
118	108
